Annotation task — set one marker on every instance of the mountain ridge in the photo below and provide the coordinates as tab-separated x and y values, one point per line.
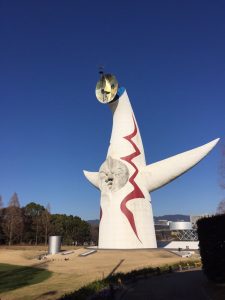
173	218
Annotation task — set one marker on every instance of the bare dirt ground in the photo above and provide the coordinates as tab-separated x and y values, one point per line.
70	272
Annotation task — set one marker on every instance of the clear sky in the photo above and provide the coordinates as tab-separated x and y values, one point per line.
170	56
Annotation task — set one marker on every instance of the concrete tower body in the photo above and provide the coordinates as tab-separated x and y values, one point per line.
125	181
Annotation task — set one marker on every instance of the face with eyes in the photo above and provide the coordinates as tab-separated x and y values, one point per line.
113	175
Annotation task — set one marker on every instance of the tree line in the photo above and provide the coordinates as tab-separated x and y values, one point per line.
34	223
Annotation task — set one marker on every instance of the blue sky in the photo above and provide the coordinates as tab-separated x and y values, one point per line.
168	54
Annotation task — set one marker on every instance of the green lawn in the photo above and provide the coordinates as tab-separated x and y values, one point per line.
13	277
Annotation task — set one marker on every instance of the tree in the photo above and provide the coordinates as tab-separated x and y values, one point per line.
83	233
32	218
72	228
211	236
45	216
1	203
13	221
221	205
94	230
58	225
222	169
1	208
1	219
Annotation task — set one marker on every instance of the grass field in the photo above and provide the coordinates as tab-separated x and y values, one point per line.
13	277
70	272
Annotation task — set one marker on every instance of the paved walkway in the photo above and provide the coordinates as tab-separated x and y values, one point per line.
187	285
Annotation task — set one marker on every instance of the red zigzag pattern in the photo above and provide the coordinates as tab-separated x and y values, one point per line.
136	193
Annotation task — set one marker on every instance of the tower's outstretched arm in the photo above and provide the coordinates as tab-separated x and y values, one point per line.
92	177
162	172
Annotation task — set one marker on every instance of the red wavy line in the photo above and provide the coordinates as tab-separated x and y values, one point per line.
136	193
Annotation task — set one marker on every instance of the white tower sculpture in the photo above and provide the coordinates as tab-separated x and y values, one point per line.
124	179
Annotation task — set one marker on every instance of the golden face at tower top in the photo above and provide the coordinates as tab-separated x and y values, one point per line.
106	88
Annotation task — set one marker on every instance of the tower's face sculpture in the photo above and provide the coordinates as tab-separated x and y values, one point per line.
113	175
126	219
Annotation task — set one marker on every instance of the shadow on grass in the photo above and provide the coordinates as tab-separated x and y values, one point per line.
13	277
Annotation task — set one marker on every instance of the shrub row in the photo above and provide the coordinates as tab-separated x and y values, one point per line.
103	289
211	233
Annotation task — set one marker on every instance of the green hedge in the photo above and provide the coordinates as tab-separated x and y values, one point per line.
211	233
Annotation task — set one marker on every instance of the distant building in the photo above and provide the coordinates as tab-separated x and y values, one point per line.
183	231
162	230
162	222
